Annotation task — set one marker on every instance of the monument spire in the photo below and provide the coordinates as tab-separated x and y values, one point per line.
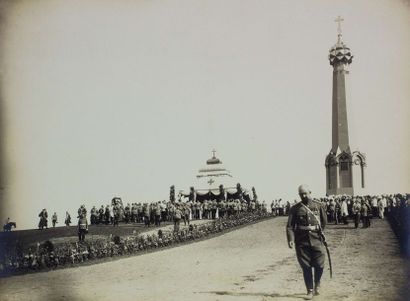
340	57
340	160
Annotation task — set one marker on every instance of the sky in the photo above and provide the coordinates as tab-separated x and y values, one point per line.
126	98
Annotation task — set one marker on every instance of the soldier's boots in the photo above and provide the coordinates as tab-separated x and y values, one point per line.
309	295
317	289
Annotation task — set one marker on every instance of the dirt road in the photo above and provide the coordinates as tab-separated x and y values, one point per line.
252	263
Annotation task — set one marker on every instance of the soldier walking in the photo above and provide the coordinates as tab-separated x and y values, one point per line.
305	223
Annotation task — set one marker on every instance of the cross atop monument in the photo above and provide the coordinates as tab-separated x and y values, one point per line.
339	21
213	153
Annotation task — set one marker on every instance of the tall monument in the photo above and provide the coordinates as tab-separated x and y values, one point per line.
344	168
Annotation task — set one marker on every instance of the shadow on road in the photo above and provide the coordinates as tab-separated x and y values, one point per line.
261	294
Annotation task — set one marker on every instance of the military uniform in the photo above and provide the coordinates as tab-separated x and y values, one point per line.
177	218
94	216
67	219
54	219
356	213
303	230
43	219
82	227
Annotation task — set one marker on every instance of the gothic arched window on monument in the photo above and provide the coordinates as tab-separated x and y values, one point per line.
345	172
344	165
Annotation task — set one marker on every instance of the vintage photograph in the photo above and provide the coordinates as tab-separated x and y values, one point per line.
205	150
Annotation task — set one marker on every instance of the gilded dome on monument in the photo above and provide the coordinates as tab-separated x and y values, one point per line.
340	53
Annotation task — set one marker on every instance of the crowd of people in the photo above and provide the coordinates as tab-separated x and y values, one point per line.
339	209
280	208
153	214
359	209
165	211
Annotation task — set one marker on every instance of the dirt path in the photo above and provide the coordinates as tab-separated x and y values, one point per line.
252	263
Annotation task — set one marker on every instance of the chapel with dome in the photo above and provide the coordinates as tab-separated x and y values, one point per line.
215	181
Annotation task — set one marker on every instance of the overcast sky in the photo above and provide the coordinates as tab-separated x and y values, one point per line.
126	98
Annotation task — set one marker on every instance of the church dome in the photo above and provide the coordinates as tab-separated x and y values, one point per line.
213	166
213	160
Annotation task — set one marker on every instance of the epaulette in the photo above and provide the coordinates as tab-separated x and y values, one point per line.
297	204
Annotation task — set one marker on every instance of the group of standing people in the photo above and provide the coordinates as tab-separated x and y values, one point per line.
82	221
280	207
164	211
43	223
155	213
340	209
147	213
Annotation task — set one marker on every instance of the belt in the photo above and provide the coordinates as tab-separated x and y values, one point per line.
310	228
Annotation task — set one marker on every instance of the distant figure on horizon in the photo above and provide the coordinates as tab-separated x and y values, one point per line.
67	219
43	215
304	232
101	212
94	216
54	219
